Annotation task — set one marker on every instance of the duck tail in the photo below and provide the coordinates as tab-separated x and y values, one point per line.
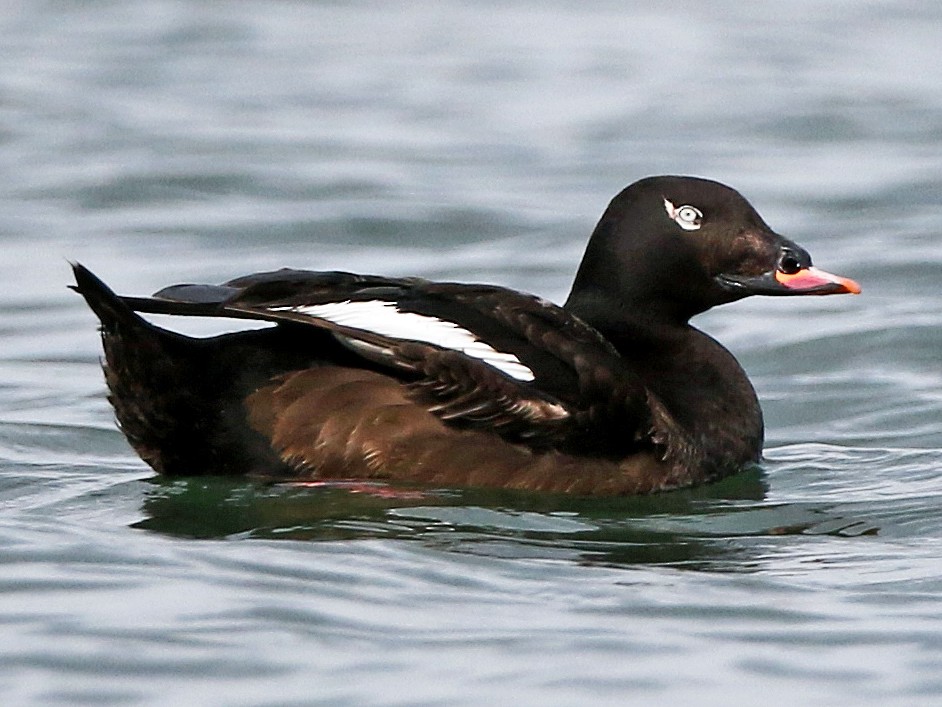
111	311
178	399
148	376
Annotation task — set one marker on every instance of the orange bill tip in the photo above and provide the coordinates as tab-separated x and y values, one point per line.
812	278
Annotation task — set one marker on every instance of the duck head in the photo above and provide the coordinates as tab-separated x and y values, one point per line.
671	247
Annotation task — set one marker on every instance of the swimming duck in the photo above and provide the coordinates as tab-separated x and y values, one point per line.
453	384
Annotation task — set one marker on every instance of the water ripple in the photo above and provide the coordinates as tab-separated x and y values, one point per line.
163	141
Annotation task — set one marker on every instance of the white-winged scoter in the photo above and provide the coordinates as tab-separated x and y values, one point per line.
450	384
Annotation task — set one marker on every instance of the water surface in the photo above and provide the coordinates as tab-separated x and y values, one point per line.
159	141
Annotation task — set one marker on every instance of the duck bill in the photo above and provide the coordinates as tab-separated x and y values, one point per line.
807	281
812	281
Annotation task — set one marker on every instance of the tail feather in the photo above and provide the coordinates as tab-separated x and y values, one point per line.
113	308
107	306
136	370
177	399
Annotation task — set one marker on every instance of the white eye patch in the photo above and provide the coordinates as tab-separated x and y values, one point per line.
385	319
687	217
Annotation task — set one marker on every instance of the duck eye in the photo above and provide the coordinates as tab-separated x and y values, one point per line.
789	264
687	217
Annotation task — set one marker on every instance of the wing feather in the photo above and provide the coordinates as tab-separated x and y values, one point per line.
579	395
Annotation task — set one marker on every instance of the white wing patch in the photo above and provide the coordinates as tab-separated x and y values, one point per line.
385	319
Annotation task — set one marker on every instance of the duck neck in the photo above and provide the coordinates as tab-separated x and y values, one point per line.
630	321
699	382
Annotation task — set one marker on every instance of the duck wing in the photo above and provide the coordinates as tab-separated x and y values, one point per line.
476	356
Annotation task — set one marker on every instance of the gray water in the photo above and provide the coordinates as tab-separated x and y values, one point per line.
162	142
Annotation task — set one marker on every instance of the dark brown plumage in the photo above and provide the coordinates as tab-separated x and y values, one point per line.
469	385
